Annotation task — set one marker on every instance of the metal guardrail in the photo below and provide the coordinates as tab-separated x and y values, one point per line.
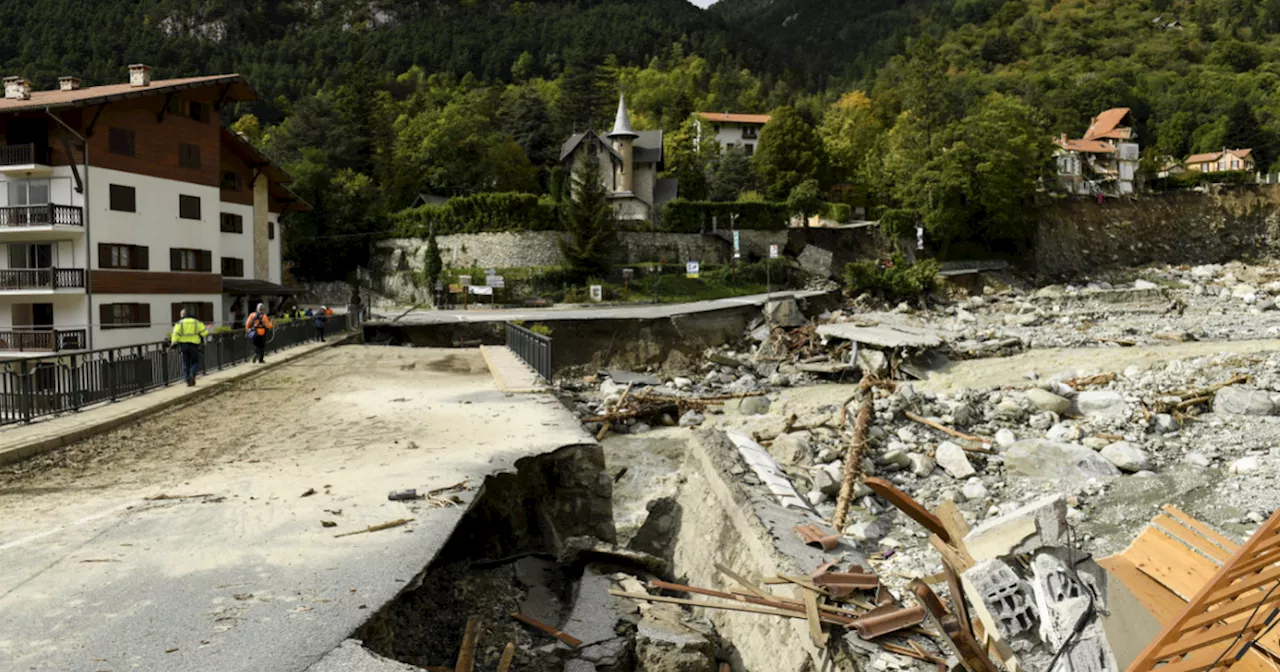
40	386
533	348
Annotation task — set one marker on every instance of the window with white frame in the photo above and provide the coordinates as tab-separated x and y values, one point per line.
28	192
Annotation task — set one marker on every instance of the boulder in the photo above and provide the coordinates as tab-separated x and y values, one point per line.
872	362
1236	400
865	531
1246	465
1005	438
974	490
691	419
1101	402
1069	463
1048	401
794	448
1127	457
754	405
784	313
921	464
953	460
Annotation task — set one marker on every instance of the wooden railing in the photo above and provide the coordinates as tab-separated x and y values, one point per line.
41	215
41	278
18	155
42	340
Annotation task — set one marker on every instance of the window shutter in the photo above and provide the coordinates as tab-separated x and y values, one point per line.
206	312
104	256
142	311
142	257
175	309
175	259
206	261
104	314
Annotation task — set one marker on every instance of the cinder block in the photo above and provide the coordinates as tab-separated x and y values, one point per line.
1005	596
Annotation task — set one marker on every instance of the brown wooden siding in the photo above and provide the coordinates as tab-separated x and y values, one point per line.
156	144
233	164
151	282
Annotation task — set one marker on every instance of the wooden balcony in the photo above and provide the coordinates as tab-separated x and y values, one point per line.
23	155
43	340
41	278
24	216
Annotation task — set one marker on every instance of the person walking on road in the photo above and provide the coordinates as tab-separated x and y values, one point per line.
188	334
319	318
256	328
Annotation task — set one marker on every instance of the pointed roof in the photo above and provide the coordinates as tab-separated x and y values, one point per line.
1107	125
622	123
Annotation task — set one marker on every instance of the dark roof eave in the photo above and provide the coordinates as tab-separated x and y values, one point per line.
140	92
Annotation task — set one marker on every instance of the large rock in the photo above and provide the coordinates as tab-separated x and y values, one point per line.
1237	400
953	460
1127	457
664	644
1101	402
872	362
754	405
1048	401
784	313
1245	465
1070	463
794	448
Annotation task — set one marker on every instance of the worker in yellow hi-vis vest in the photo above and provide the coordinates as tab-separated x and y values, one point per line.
188	334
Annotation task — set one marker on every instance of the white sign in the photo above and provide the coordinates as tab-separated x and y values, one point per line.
736	241
692	269
495	280
773	251
481	291
597	293
490	271
464	280
919	237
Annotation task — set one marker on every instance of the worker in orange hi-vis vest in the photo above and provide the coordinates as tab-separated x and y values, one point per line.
255	329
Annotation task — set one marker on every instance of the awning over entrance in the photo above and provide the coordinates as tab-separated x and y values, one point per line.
242	287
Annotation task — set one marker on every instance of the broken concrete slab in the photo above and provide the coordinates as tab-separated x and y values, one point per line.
886	335
1069	462
665	644
351	656
768	471
1040	524
784	313
632	378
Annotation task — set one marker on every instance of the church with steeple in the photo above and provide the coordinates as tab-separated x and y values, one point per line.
629	163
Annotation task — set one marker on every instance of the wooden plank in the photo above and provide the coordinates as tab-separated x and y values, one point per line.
727	606
1174	529
1161	602
1244	585
1242	605
950	556
467	652
508	654
1203	659
549	629
741	581
1174	565
816	635
1204	530
1254	565
1218	633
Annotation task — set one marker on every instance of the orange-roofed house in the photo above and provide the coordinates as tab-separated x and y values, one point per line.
731	129
1105	160
1221	162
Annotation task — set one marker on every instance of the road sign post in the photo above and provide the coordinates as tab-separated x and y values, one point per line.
768	269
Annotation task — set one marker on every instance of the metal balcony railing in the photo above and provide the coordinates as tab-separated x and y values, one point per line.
41	278
42	340
41	215
21	155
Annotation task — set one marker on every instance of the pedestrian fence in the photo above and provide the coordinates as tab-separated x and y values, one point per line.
533	348
41	386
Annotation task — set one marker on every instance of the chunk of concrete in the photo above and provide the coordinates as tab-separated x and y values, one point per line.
1048	401
1069	463
1236	400
1002	599
872	362
794	448
1127	457
954	461
1027	529
1245	465
664	644
1101	402
784	313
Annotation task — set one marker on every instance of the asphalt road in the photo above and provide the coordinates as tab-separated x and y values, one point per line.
232	570
624	312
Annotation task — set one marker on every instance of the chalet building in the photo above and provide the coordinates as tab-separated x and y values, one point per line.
731	129
1104	161
1221	162
629	163
122	204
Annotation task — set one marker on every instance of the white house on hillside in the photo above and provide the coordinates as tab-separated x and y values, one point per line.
731	129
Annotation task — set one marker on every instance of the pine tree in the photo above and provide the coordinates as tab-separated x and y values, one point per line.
433	263
588	221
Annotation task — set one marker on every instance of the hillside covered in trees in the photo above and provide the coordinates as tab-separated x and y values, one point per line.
932	112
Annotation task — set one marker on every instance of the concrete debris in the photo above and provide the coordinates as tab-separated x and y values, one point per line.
665	644
1025	530
784	313
954	461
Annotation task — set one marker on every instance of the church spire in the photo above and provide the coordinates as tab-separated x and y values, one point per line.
622	123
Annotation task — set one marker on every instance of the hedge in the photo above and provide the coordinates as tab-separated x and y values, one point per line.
480	213
682	216
1194	178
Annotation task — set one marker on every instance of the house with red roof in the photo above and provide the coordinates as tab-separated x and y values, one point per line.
1105	160
1221	162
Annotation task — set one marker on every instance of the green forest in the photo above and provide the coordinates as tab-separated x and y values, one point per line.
937	113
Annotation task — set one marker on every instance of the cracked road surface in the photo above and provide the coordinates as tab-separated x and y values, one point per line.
186	541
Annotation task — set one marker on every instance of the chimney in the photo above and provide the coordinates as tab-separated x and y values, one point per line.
68	83
139	75
17	88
